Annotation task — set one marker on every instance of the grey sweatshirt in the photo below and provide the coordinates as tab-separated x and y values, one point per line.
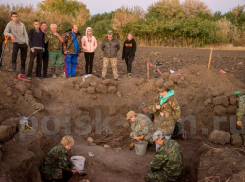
18	31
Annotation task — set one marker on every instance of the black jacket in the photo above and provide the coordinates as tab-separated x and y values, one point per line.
110	48
129	49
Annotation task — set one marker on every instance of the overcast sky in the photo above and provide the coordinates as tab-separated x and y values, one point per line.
101	6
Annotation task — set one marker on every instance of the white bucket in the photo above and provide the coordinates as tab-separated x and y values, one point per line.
140	147
78	161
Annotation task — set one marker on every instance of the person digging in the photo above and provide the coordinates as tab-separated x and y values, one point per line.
241	110
167	165
140	127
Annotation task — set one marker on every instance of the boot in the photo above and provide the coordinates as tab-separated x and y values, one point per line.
13	67
53	73
22	72
62	73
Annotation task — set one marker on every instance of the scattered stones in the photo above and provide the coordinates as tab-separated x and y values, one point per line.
94	97
169	84
174	77
21	87
84	85
28	92
91	90
232	109
219	137
93	84
159	82
84	90
165	75
90	139
232	101
109	82
9	92
112	89
207	102
77	87
29	98
220	110
6	132
236	140
107	146
112	110
221	100
101	89
217	93
118	94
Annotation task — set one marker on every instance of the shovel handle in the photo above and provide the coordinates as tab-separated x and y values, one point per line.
6	39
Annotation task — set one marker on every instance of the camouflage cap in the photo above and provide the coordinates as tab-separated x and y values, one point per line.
109	32
158	135
130	114
142	106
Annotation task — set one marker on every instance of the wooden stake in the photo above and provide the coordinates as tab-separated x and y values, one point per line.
210	58
148	71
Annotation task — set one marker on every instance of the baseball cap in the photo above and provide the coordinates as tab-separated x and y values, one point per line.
130	114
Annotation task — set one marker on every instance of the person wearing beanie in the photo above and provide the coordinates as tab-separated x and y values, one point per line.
140	127
168	162
89	44
129	49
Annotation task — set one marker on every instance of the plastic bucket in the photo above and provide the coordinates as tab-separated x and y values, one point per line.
140	147
78	161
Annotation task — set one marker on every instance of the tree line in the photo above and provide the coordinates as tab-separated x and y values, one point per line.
166	22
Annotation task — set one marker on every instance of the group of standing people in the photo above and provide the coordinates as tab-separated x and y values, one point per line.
63	50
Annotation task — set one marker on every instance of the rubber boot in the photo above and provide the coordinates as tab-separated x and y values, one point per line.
53	73
62	73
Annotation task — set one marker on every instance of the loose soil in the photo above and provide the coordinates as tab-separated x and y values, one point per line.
21	160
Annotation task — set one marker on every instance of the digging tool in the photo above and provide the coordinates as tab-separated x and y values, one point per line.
154	67
24	123
6	37
23	78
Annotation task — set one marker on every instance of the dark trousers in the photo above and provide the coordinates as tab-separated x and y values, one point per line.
66	173
45	63
38	53
23	51
89	57
1	50
129	62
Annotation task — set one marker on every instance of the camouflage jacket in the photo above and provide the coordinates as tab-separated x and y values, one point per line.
68	44
165	124
241	108
169	108
168	160
57	160
54	44
149	115
142	126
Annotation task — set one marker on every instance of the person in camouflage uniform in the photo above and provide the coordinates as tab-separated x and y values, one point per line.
167	108
241	110
2	27
144	109
140	127
167	165
57	165
72	48
54	41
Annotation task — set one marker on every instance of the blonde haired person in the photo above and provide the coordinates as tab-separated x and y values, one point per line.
89	44
57	165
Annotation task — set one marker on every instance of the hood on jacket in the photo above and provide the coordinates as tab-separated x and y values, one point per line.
88	28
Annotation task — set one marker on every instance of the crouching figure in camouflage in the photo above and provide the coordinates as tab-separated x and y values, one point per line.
241	110
141	126
57	165
167	165
166	107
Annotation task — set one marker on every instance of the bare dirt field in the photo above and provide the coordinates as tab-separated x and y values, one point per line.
202	94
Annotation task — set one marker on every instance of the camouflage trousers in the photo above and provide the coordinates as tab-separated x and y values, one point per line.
113	65
133	135
157	177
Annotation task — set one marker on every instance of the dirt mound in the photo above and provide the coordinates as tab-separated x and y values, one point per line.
97	109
